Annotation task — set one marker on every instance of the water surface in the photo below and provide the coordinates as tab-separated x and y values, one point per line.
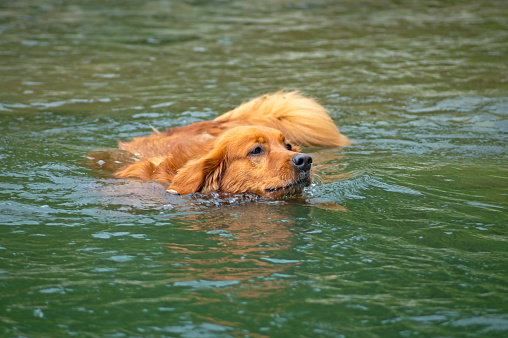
403	233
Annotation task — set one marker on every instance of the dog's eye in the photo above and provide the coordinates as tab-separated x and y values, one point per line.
289	146
257	151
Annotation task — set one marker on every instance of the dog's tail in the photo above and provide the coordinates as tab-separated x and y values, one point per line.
302	120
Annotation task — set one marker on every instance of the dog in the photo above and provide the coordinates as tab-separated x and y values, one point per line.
253	149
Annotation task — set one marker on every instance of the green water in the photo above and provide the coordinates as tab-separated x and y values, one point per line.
403	234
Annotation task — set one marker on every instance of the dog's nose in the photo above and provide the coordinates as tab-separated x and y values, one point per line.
302	162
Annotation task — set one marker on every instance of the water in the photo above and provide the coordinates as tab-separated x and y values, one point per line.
403	234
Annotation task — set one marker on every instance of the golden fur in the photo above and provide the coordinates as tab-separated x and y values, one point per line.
251	149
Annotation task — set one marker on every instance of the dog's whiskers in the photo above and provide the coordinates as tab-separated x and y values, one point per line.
317	178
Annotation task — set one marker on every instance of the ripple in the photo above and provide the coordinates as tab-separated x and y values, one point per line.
206	284
121	258
489	324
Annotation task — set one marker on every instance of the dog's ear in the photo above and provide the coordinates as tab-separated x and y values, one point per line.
202	174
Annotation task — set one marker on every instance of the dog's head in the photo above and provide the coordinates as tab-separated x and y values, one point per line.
249	159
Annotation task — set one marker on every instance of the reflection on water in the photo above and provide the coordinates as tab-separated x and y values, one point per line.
246	236
402	234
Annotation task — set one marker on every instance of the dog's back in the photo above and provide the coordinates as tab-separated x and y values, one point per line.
302	120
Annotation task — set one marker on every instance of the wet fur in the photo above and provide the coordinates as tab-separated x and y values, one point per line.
216	155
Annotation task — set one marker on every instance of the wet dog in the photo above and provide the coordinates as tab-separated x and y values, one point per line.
251	149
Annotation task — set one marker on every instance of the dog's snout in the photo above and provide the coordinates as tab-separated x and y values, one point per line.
302	162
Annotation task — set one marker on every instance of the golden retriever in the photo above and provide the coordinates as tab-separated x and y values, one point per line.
251	149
